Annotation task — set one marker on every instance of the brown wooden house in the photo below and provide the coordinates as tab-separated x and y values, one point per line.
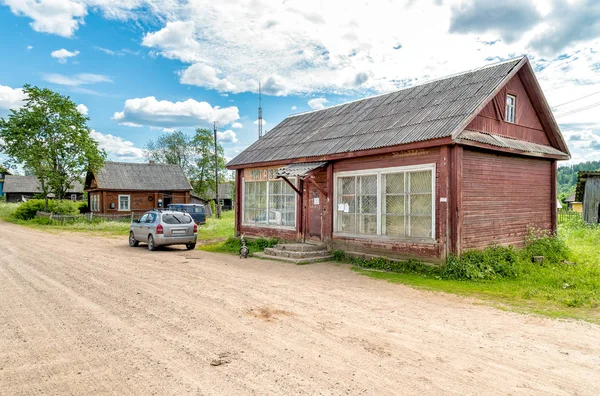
457	163
121	188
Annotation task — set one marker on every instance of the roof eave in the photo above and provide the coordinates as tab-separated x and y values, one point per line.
464	142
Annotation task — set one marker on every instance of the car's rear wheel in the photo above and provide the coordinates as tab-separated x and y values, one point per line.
132	241
151	244
190	246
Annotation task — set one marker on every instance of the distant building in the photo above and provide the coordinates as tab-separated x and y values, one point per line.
572	204
457	163
225	196
588	193
121	187
23	188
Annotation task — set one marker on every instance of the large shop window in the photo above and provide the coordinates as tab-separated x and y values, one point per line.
393	202
269	203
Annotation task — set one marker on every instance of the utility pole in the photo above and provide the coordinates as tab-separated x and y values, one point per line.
260	119
217	206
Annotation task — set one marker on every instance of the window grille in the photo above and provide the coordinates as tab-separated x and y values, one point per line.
404	200
271	203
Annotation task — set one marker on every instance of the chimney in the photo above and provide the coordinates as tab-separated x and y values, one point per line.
152	162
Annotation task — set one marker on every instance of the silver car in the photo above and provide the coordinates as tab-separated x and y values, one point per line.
163	228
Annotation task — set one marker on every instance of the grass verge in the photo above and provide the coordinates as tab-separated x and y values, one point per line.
558	289
214	229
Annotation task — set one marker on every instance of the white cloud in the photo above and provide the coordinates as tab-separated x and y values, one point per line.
237	125
82	109
62	55
165	114
118	148
29	47
264	122
227	137
11	98
294	108
61	17
317	103
75	80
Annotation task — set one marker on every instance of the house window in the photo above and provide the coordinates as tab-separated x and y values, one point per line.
358	201
95	203
124	202
73	197
392	202
269	203
511	102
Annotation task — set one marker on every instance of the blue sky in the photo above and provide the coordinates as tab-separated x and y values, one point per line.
141	68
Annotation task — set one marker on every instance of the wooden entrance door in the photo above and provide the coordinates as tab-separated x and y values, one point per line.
315	212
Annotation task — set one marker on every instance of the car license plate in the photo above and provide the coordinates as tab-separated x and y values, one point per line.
178	232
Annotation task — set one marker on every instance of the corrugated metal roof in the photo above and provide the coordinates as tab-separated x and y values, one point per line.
429	111
30	184
299	169
505	142
147	177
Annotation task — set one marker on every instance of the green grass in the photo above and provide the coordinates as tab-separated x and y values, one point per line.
562	290
213	230
103	228
217	229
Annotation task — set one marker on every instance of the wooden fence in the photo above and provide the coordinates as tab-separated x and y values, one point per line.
565	215
125	218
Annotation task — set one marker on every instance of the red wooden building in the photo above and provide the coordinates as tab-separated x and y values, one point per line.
122	188
457	163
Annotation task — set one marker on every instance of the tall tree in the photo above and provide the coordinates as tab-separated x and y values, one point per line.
50	137
172	148
204	177
195	154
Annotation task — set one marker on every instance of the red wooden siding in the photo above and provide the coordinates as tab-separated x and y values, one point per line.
527	125
139	201
501	196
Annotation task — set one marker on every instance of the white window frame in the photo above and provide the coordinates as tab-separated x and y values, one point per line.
379	172
267	197
513	108
128	203
95	198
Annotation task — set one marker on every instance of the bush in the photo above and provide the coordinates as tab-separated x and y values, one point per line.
27	210
410	266
543	243
83	207
492	263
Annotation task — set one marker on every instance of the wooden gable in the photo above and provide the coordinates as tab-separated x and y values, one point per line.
527	125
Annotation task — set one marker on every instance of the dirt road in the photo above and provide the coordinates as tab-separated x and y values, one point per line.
84	315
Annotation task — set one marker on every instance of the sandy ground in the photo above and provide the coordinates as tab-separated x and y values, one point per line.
88	315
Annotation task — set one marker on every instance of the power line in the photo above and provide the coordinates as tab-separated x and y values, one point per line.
575	100
579	110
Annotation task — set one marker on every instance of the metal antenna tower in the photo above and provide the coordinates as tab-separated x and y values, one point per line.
260	119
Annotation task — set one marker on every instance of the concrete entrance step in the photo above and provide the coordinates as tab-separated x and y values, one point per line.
295	254
299	261
300	247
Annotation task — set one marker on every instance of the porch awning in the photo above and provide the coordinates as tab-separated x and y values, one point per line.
299	169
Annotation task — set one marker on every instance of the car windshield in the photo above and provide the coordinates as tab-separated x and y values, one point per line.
176	218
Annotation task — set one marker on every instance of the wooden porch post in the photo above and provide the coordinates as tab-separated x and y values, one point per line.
456	185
